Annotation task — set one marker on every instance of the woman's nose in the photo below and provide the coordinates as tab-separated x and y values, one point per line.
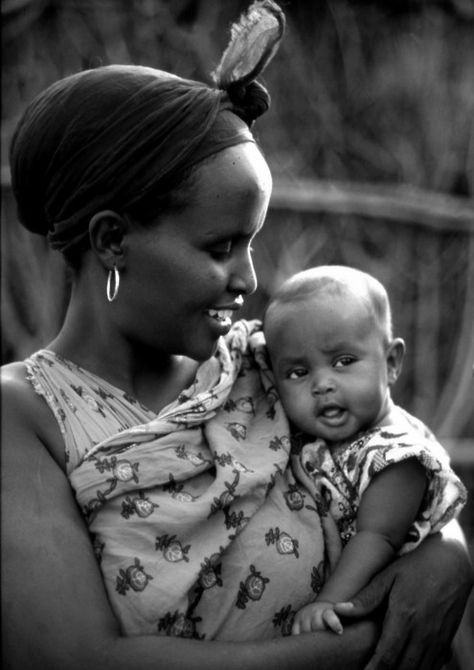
243	278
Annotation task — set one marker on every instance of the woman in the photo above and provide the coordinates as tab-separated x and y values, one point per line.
153	189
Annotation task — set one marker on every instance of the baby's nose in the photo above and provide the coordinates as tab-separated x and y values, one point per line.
323	384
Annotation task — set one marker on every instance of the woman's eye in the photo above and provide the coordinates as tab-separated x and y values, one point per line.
220	251
344	361
296	373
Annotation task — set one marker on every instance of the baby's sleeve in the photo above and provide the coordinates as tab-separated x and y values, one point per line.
445	494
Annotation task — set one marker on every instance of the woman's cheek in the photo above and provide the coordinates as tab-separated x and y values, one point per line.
217	274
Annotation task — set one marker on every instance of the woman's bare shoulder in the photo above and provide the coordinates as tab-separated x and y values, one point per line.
25	414
18	395
13	373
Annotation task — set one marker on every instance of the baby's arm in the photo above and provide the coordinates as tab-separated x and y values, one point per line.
388	508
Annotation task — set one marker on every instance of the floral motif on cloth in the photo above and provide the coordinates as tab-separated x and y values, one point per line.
199	524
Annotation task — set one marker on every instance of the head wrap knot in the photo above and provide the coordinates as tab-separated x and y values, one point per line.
125	137
249	101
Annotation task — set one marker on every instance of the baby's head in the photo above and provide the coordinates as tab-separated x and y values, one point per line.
329	335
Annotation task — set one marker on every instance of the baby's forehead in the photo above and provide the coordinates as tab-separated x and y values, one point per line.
351	286
317	297
330	312
328	305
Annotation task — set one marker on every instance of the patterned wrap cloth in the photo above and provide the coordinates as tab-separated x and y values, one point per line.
203	523
338	477
199	525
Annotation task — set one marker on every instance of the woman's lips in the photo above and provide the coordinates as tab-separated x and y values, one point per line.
222	316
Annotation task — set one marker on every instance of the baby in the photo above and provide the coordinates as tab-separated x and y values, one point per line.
378	471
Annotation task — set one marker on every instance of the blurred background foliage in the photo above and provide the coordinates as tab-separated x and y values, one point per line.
370	139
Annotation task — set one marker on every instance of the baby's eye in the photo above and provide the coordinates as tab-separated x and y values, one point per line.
343	361
296	373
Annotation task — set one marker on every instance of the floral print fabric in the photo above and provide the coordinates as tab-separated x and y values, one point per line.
200	526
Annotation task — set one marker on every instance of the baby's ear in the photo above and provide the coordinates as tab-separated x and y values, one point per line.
394	357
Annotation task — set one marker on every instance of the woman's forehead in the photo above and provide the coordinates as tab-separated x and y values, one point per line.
244	159
235	171
228	198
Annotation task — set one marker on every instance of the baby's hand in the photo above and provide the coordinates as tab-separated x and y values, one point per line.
316	616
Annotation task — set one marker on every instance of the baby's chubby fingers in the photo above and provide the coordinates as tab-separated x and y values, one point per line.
309	618
302	622
301	626
332	621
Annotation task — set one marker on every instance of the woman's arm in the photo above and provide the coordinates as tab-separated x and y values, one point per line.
55	611
436	577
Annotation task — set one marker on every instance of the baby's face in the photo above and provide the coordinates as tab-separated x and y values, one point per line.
330	364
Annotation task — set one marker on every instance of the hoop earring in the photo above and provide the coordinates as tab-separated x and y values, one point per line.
112	294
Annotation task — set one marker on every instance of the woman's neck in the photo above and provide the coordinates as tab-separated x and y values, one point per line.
152	377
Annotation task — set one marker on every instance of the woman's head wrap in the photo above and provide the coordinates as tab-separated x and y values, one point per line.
124	137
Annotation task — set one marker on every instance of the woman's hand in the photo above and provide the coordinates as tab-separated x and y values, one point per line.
424	594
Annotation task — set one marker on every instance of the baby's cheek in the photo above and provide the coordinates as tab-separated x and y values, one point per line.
295	407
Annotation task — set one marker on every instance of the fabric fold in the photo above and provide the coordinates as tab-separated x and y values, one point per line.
196	514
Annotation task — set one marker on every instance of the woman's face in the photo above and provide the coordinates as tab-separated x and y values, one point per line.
184	276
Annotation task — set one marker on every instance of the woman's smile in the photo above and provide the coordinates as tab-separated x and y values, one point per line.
223	315
221	319
196	263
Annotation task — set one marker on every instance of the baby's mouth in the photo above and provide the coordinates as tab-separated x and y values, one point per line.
332	414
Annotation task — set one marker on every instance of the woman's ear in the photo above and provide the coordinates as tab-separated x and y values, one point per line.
106	233
394	357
